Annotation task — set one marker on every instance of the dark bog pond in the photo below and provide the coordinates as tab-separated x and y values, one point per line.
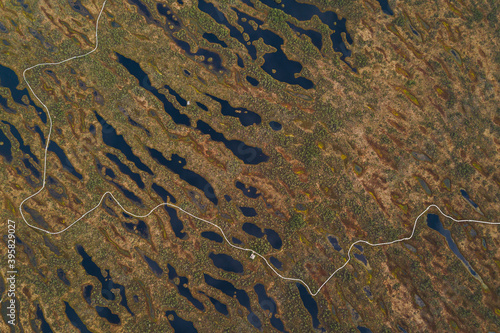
218	305
241	296
236	241
24	148
275	126
153	265
135	69
273	238
44	327
178	97
226	262
316	37
212	38
334	243
10	80
276	262
252	229
106	282
176	164
183	289
74	319
62	276
248	154
126	170
248	211
140	228
178	324
362	329
250	192
5	147
112	139
309	303
210	59
65	162
467	198
253	81
245	116
87	293
434	222
385	7
268	304
106	313
304	12
213	236
361	258
276	64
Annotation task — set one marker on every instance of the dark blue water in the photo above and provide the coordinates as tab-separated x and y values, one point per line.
402	329
241	296
248	211
110	173
180	325
304	12
250	192
226	262
385	7
183	289
248	154
178	97
316	37
74	319
434	222
170	17
153	265
276	262
215	64
276	63
212	38
239	61
245	116
227	197
44	327
253	81
51	245
114	140
78	7
65	162
107	283
361	258
9	79
175	222
273	238
62	276
106	313
252	229
236	241
334	243
87	292
219	306
469	200
135	69
176	164
128	194
24	148
268	304
186	72
140	228
164	194
362	329
285	69
309	303
213	236
248	3
202	106
359	247
5	147
275	126
126	170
